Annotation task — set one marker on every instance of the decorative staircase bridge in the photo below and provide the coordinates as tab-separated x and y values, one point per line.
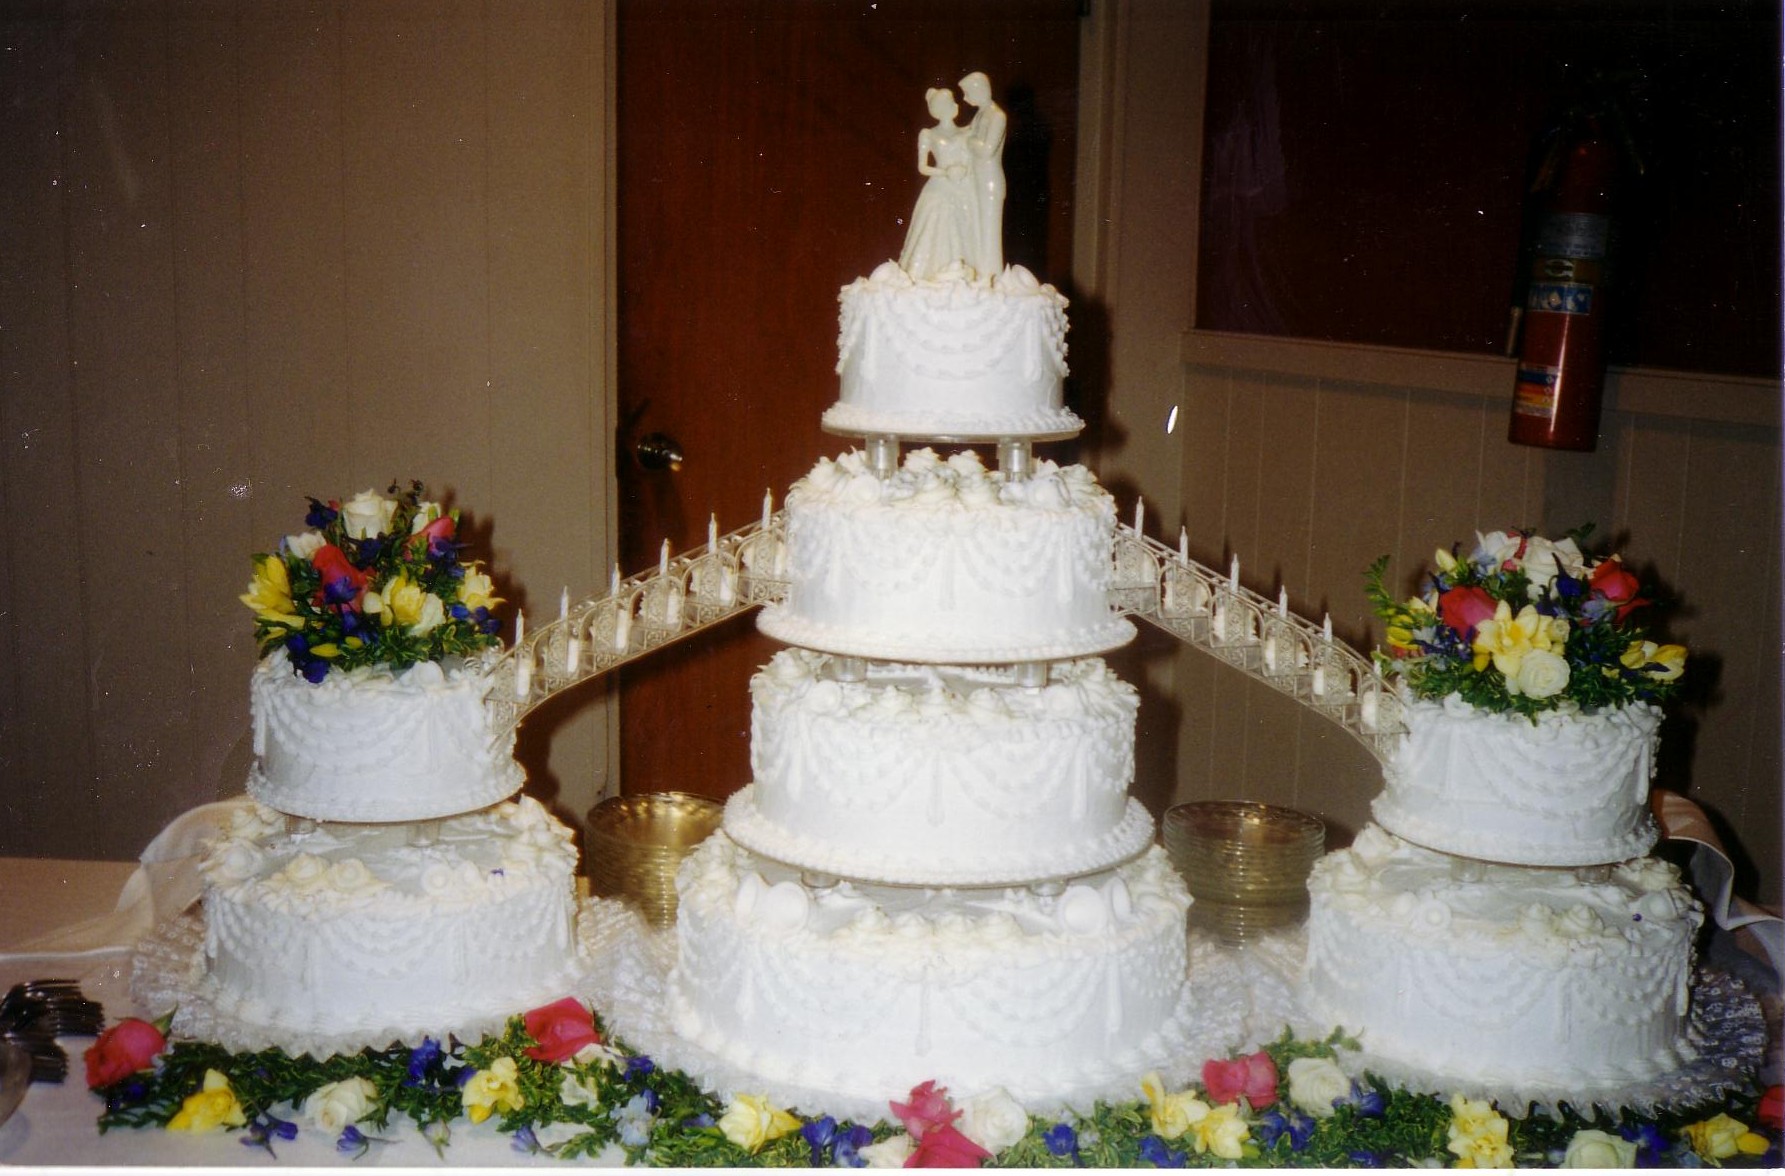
746	569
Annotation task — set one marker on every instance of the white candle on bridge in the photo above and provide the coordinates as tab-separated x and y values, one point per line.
1233	575
1140	516
663	559
1282	601
564	603
1183	545
712	534
613	584
768	507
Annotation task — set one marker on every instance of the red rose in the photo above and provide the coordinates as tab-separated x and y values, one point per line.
943	1146
561	1029
341	581
1610	581
1464	608
928	1110
1772	1110
1253	1078
121	1051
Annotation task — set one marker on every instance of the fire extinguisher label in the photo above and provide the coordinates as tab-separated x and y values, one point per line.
1535	393
1573	234
1560	297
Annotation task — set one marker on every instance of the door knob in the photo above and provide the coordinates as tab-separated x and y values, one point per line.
658	451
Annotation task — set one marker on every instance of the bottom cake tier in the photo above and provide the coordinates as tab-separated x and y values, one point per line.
868	991
375	933
1540	978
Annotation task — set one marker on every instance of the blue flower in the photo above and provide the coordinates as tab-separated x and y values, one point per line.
636	1119
1651	1145
1061	1140
819	1134
846	1151
1364	1159
321	514
352	1140
1365	1100
421	1058
1154	1152
525	1142
1275	1124
267	1128
639	1066
366	551
698	1122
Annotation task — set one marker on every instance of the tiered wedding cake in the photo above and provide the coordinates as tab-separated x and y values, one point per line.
938	872
1501	923
383	885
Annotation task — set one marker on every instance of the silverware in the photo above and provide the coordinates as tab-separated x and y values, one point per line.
34	1014
15	1075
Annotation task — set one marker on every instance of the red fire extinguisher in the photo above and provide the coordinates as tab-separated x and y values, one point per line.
1561	354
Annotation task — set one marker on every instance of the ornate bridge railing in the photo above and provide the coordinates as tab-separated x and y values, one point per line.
739	571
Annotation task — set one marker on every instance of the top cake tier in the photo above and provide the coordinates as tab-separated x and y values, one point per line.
375	745
951	357
945	561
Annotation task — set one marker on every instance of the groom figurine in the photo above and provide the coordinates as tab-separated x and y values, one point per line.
985	140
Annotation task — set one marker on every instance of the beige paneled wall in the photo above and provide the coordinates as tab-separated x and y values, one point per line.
251	252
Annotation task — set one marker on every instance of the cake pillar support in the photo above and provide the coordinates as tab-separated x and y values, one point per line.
1015	457
849	669
883	454
1031	674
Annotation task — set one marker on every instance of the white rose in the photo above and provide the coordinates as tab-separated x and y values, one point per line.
339	1105
367	513
1541	674
1493	549
1596	1149
1543	559
994	1120
425	513
433	613
305	545
888	1153
1314	1083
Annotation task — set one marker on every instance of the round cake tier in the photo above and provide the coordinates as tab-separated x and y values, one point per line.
1565	790
1511	975
940	776
948	356
945	561
868	992
352	929
372	745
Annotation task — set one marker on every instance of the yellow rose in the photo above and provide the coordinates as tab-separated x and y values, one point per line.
1721	1137
212	1107
269	592
751	1121
1222	1131
476	591
1173	1114
495	1089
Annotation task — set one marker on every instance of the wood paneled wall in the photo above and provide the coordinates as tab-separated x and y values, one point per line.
252	251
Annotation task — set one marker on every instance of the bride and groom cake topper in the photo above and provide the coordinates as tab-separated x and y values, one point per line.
960	212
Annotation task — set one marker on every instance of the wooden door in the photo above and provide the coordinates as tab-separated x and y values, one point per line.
766	157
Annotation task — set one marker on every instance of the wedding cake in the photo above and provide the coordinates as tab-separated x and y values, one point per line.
1500	921
383	885
938	873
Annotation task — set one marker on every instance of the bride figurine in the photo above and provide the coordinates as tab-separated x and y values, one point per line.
945	220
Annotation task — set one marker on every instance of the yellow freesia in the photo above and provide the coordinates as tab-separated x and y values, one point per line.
1173	1114
1505	639
1223	1131
1720	1137
751	1121
212	1107
495	1089
269	592
1478	1134
405	599
1670	658
476	590
1446	562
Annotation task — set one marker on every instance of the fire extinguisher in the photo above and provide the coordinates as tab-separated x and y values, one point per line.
1559	327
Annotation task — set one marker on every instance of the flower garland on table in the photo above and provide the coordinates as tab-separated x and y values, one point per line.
557	1085
377	581
1526	624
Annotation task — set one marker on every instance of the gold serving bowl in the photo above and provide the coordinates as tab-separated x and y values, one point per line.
1246	864
637	843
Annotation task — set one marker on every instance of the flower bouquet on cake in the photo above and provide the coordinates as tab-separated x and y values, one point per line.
376	581
1532	687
